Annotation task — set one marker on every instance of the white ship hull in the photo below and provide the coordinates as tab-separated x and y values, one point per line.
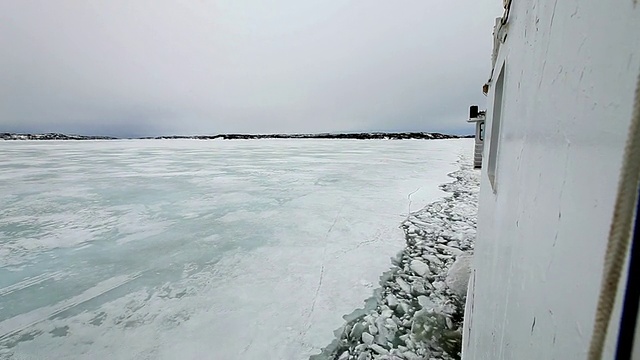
558	112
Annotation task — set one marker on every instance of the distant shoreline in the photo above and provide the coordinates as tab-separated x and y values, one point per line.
360	136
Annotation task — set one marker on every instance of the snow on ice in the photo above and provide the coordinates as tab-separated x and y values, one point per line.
168	249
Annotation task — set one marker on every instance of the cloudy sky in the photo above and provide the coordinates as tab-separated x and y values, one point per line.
153	67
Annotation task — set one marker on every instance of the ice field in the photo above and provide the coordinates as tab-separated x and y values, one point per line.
187	249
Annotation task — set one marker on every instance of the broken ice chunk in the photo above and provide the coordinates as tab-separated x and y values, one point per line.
458	275
379	349
425	302
420	268
392	301
403	285
367	338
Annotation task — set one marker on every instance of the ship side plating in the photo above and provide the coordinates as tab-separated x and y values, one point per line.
559	107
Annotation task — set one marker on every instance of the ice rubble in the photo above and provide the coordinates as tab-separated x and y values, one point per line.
419	308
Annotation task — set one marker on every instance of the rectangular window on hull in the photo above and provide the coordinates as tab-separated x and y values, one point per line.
494	141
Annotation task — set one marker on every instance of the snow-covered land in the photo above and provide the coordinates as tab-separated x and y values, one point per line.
206	250
361	136
419	309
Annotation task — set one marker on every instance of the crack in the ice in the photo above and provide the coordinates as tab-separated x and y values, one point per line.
362	243
321	278
377	237
315	295
409	197
247	347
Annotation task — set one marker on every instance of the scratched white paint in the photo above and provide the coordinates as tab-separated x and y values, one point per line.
570	73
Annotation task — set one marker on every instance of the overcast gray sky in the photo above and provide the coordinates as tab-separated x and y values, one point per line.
152	67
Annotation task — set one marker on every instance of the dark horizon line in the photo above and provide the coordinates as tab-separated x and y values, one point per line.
230	136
